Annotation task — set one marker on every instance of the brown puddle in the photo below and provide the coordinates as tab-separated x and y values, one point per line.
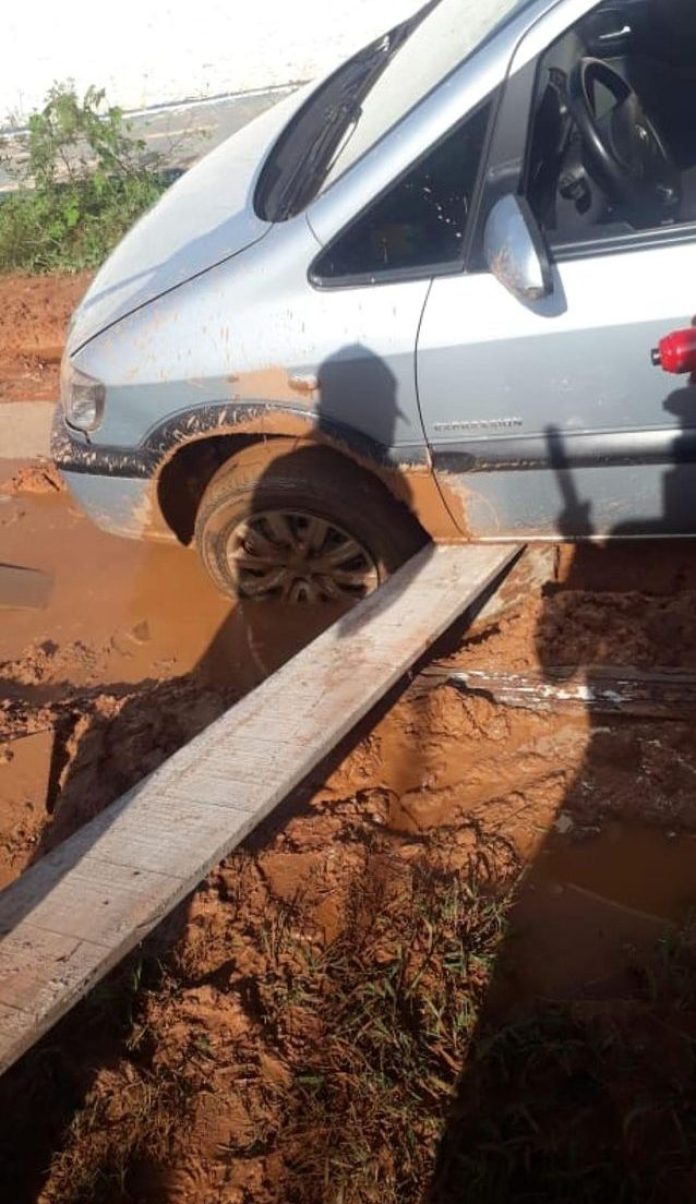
132	654
124	611
642	869
588	906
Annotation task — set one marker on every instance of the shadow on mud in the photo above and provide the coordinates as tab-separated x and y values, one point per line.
580	1079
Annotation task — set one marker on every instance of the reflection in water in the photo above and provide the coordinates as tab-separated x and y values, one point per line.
258	637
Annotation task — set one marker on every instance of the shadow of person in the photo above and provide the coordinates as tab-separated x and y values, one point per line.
580	1078
330	517
678	483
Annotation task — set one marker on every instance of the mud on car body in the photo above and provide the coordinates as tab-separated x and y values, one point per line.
417	299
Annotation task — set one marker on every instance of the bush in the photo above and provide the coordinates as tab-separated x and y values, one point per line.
85	181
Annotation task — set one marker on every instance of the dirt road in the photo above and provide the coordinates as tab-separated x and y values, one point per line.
316	1024
34	313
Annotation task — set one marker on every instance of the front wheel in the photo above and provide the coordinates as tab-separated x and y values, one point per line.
300	525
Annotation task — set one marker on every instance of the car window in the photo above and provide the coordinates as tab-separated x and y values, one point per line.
613	135
433	49
368	95
421	221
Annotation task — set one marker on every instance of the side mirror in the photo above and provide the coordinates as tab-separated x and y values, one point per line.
514	250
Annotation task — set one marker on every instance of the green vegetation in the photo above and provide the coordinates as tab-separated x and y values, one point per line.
82	182
398	996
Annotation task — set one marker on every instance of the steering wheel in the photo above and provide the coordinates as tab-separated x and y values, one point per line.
625	152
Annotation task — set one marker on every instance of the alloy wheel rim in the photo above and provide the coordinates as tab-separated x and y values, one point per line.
292	556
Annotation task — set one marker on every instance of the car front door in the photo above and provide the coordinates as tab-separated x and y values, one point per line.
546	418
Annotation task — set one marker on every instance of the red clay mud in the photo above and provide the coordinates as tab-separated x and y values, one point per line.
199	1082
34	315
220	1064
33	478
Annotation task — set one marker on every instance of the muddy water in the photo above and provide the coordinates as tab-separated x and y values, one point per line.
639	868
124	625
123	611
590	908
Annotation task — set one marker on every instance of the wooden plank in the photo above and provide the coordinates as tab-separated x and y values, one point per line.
80	909
13	1026
658	693
24	588
96	900
36	966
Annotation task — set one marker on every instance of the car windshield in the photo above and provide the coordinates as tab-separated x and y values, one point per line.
368	95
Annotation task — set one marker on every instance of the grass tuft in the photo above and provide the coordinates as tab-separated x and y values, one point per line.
397	997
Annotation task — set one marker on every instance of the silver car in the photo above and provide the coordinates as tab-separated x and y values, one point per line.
415	300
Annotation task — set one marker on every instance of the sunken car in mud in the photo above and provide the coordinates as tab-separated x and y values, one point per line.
415	300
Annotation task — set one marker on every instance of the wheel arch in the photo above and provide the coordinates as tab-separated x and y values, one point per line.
198	443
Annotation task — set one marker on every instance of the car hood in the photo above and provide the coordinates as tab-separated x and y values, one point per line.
204	218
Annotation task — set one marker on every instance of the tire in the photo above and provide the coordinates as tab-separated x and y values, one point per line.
300	524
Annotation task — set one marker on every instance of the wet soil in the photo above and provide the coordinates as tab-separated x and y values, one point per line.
451	965
134	653
34	315
194	1072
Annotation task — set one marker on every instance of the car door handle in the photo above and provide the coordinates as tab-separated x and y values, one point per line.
615	35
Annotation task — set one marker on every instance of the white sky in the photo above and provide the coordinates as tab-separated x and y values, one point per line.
147	52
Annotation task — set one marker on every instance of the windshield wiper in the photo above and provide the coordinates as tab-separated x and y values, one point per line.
301	185
296	178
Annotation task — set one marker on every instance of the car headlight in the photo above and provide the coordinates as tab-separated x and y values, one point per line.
82	397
